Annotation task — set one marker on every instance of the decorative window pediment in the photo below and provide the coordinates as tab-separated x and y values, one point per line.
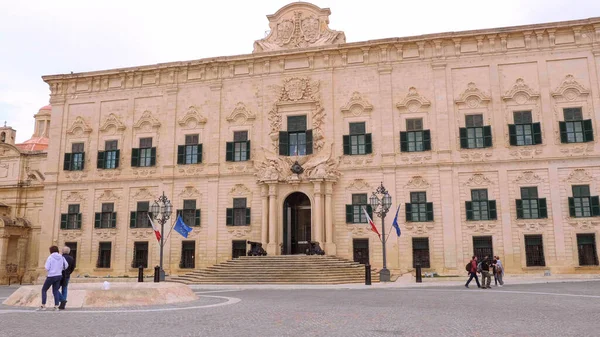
112	121
570	90
189	192
241	114
472	97
108	195
357	105
417	182
579	176
520	93
528	177
478	179
413	102
359	185
192	118
144	194
147	119
79	127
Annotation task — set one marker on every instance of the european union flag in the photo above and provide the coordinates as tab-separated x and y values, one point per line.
181	227
395	223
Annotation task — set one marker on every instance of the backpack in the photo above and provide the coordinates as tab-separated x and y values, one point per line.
468	267
479	267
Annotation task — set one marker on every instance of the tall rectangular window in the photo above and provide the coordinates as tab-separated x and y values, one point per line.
104	252
420	252
73	252
575	129
582	204
534	251
140	255
415	139
145	152
110	155
359	141
239	149
239	215
524	131
355	212
475	134
191	152
107	218
75	160
139	218
419	210
482	247
188	254
530	206
71	219
297	140
586	249
189	213
480	208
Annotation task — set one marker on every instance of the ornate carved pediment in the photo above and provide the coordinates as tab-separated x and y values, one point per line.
144	194
473	97
74	197
357	105
413	101
299	25
241	114
105	234
359	185
583	224
478	179
192	118
520	93
78	127
481	227
579	176
147	120
108	195
239	232
570	89
189	192
529	225
112	121
419	227
528	177
240	190
417	182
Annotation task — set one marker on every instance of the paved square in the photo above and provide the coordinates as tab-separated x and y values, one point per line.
556	309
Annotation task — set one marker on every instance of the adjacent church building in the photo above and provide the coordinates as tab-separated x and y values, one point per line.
485	139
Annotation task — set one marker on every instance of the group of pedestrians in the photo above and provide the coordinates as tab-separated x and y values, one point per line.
59	268
483	267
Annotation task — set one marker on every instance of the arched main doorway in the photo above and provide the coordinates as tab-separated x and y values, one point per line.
296	223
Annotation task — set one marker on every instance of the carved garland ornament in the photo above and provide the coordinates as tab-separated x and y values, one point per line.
417	182
108	195
359	185
478	179
579	176
528	177
189	192
143	194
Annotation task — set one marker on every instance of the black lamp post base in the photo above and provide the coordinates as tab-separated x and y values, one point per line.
384	275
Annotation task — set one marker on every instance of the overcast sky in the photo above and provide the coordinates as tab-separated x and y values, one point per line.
42	37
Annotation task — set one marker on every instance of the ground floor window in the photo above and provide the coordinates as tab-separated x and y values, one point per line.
534	251
360	249
188	252
73	253
104	252
586	248
238	248
420	252
140	255
482	247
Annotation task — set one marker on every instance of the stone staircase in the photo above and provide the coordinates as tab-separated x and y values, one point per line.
281	269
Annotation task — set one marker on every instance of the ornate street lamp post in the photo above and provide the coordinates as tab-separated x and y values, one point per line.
381	201
161	211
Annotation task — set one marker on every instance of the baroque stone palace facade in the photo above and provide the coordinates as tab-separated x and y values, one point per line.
486	139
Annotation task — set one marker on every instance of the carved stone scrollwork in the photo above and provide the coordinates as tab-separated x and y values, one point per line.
579	176
569	89
473	97
112	121
417	182
528	177
190	170
583	224
481	227
143	194
478	179
108	195
192	118
530	225
357	105
415	158
147	121
520	92
143	172
239	231
71	234
241	114
109	174
75	175
476	155
359	230
359	185
79	127
189	192
419	227
413	102
105	234
141	233
75	197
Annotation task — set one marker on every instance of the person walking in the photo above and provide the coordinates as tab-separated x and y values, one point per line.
499	271
55	264
66	276
473	272
494	272
486	278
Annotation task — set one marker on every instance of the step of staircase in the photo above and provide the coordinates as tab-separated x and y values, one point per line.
281	269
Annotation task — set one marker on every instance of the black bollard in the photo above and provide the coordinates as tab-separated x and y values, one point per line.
418	272
141	274
156	274
367	274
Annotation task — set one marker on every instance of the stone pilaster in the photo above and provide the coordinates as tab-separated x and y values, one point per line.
213	218
272	247
264	224
448	226
318	214
330	247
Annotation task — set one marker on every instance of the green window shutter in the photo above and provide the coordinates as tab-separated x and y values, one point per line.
113	220
512	134
492	209
595	203
180	154
487	136
519	204
197	218
67	162
408	211
63	221
229	151
403	141
284	144
537	133
368	143
426	140
247	150
588	130
563	132
179	213
346	142
248	218
199	153
464	140
97	217
132	219
82	161
135	157
370	211
309	142
153	156
349	214
542	208
100	163
469	209
117	155
572	207
78	220
430	211
229	217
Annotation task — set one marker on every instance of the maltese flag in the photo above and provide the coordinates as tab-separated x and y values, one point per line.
156	231
373	228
